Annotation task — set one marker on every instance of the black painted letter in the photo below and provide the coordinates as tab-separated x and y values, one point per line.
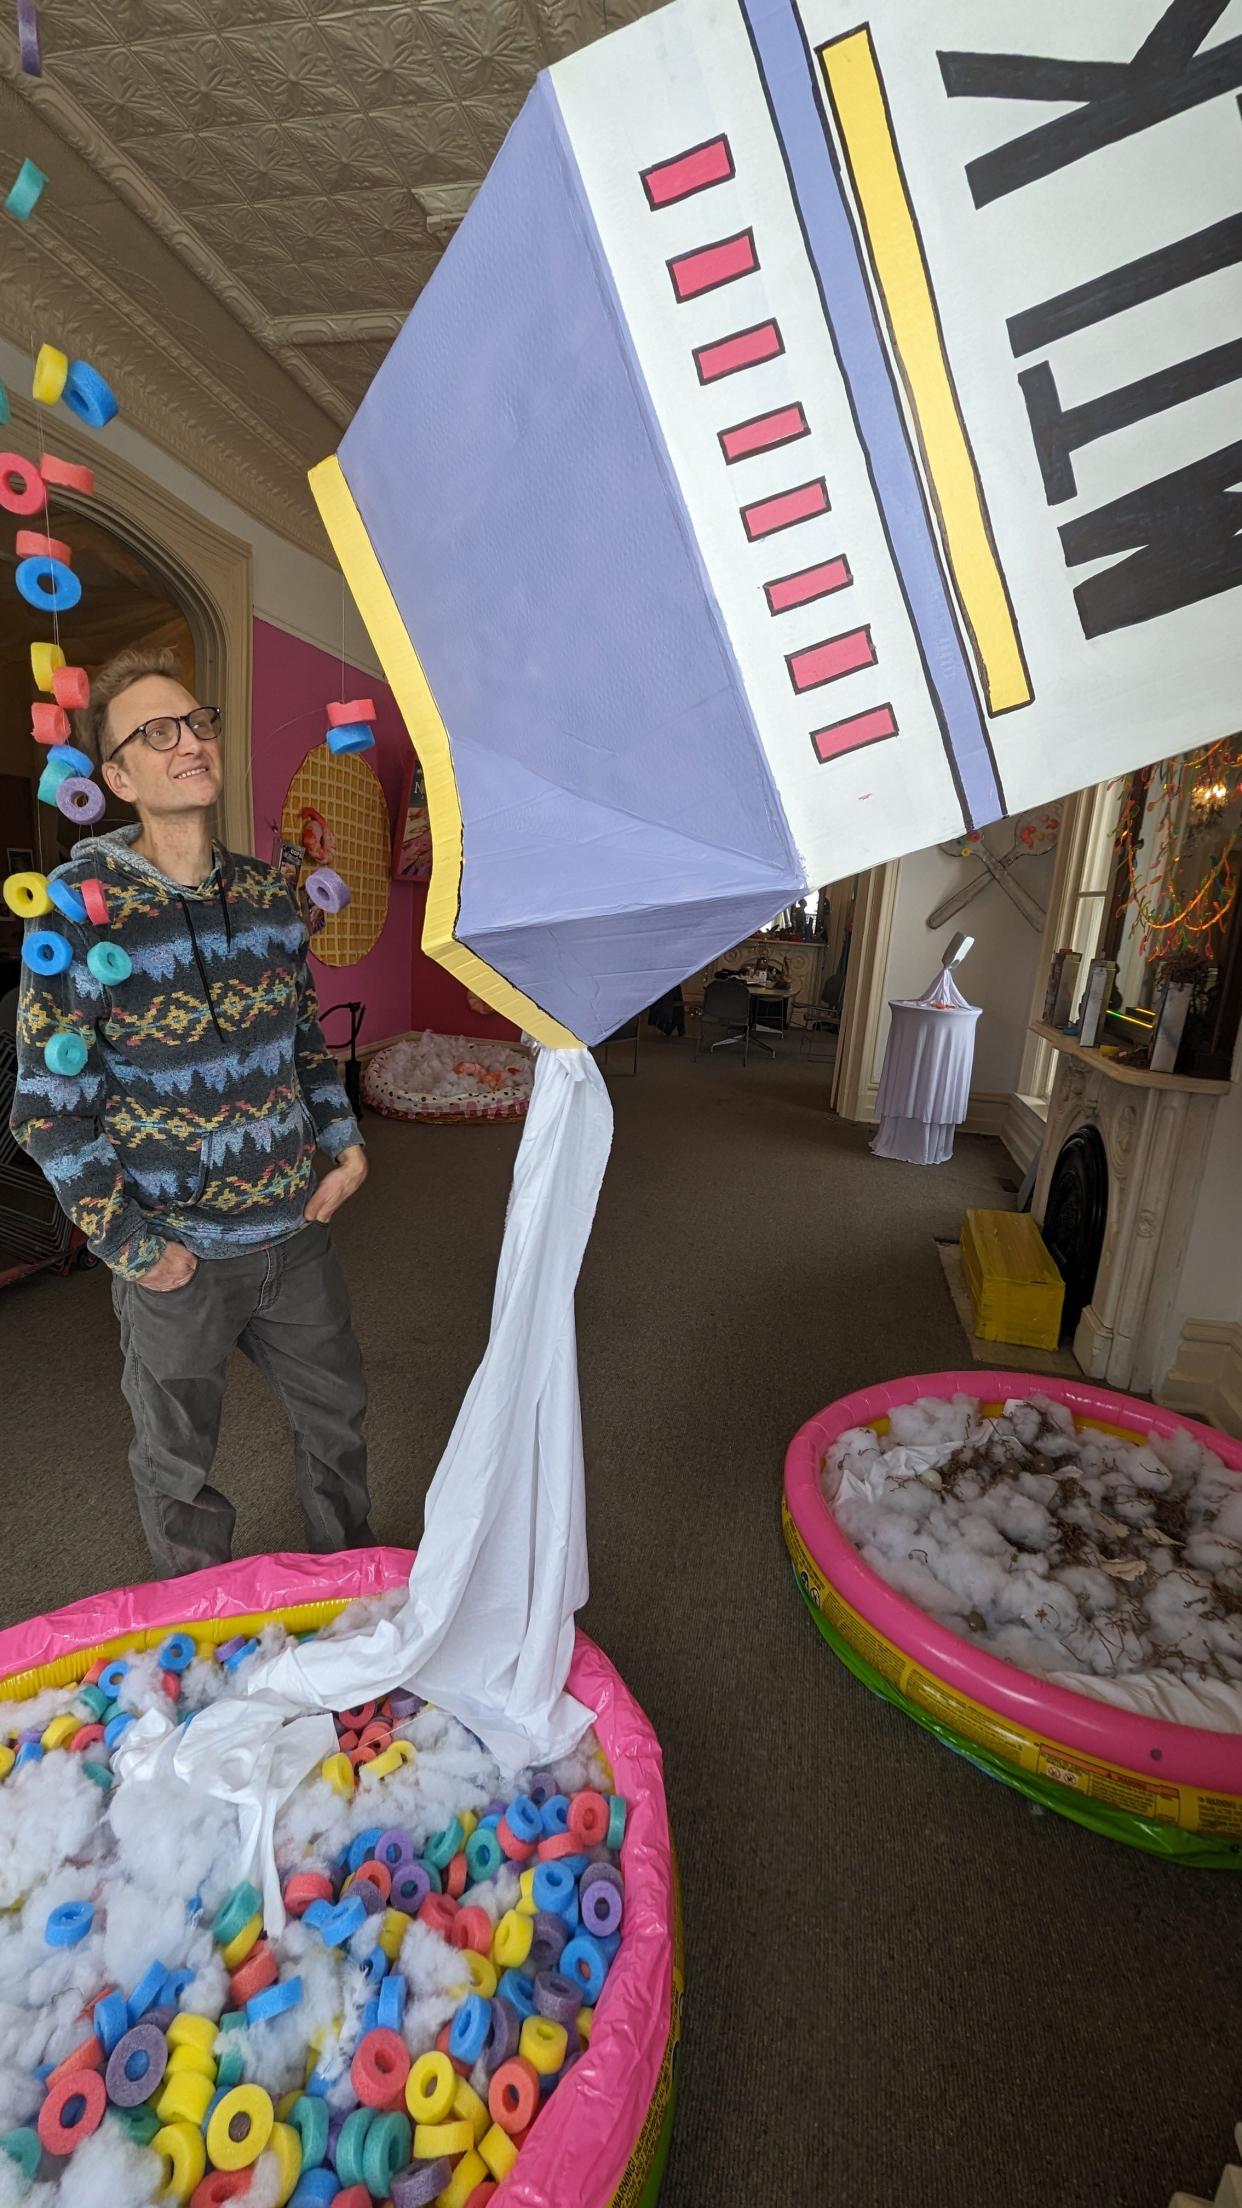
1183	534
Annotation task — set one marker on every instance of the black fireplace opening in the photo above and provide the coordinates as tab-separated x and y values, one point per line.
1074	1218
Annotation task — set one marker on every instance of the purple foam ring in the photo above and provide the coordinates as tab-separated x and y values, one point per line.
421	2183
599	1855
542	1787
404	1705
601	1899
503	2033
372	1900
31	1732
393	1847
80	799
29	49
136	2065
230	1648
161	2016
410	1888
550	1935
557	1997
326	888
496	1808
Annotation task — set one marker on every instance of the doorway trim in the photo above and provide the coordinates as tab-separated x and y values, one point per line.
855	1083
208	572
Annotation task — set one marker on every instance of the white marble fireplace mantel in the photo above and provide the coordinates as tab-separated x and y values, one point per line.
1155	1128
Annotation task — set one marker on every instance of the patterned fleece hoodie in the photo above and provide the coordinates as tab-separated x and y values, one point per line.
207	1085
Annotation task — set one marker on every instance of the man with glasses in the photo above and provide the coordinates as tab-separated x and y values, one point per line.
184	1145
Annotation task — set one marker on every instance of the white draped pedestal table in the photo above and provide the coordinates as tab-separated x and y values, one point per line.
925	1085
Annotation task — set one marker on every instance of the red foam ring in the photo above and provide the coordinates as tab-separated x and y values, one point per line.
49	724
32	545
360	1755
30	496
71	687
355	709
67	474
379	1875
439	1911
95	901
375	1735
91	1674
85	1737
250	1977
58	2135
87	2055
220	2186
171	1683
94	2002
457	1877
518	1851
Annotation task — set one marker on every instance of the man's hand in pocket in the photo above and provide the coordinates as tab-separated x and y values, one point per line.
172	1270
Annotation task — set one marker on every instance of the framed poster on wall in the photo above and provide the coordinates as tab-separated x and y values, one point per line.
411	854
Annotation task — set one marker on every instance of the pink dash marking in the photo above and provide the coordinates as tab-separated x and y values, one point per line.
826	662
693	171
781	512
744	349
809	582
764	431
712	265
852	735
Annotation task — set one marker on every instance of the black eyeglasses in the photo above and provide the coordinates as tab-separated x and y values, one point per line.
164	732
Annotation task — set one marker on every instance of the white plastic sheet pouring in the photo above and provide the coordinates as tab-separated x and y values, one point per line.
487	1630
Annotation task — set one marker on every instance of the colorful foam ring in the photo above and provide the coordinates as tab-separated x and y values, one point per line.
49	724
70	758
71	688
511	1941
326	889
601	1899
45	659
616	1820
386	2150
45	952
301	1888
71	1922
108	962
285	2150
89	395
95	899
25	191
557	1997
513	2095
235	1913
588	1818
51	371
420	2185
80	799
544	2044
72	2109
22	488
484	1854
430	2088
48	585
49	782
32	544
184	2157
584	1960
498	2151
67	475
273	2001
176	1653
4	405
239	2127
350	736
26	894
525	1822
469	2030
449	2139
550	1938
309	2118
23	2147
346	713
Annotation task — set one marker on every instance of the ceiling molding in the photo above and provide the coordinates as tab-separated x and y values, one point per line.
334	329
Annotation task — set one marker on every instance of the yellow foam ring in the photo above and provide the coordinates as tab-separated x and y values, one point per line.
8	1757
286	2104
383	1765
469	2109
392	1931
51	373
227	2152
184	2157
856	91
585	2021
192	2060
431	2088
242	1942
26	895
185	2099
339	1773
526	1906
466	1818
286	2146
422	717
470	2171
512	1942
404	1749
433	2140
1093	1778
198	2032
44	661
497	2151
58	1732
484	1977
544	2044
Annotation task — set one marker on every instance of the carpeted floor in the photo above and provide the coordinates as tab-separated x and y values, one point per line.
903	1983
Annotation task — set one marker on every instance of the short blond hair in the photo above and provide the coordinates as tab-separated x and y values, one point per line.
117	674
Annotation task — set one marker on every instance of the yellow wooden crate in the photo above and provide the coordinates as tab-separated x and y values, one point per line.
1014	1286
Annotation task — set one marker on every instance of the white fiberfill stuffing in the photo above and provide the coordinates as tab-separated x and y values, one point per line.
1110	1566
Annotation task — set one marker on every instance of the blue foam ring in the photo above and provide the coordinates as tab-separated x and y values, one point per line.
174	1985
214	2103
147	1991
584	1961
339	1921
607	1943
45	952
110	963
350	736
274	2001
616	1802
176	1653
519	1992
25	191
72	760
64	1053
318	2084
116	1726
239	1655
89	395
359	1850
575	1864
110	2020
69	1923
316	2188
47	584
469	2030
370	2019
569	1912
554	1816
68	901
309	2119
377	1965
552	1886
391	2003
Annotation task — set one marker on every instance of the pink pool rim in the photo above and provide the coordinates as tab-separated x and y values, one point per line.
578	2153
1189	1755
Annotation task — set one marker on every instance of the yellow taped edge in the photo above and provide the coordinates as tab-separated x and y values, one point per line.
421	714
857	96
1114	1785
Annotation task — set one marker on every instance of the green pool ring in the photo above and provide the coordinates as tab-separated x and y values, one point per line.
23	2147
351	2146
386	2151
243	1903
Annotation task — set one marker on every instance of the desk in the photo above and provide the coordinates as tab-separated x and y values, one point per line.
925	1085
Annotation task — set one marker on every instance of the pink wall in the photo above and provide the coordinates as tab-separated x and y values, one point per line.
402	989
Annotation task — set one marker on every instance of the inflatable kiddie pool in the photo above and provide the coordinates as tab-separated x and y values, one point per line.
602	2140
449	1080
1175	1790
